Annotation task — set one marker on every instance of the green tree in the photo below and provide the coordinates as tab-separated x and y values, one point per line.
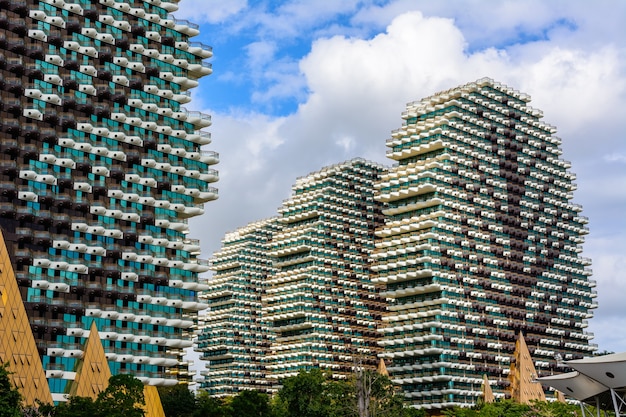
342	398
207	406
177	401
74	407
10	398
306	394
376	396
250	404
313	394
510	408
378	392
122	398
278	407
504	408
414	412
552	409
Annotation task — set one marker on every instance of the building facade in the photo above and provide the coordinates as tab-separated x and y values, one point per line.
235	337
18	350
481	241
320	302
294	292
101	167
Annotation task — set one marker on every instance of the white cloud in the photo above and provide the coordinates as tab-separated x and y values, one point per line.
609	264
347	143
615	157
260	53
358	87
297	18
577	86
391	64
256	137
572	23
212	11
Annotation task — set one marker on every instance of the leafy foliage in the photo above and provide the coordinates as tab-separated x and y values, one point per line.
510	408
177	401
375	395
74	407
307	394
367	394
207	406
122	398
10	398
251	404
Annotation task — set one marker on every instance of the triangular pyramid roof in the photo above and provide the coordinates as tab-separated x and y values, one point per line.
488	396
153	406
92	372
17	343
382	368
524	388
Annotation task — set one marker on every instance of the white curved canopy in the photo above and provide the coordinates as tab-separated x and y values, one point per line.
599	381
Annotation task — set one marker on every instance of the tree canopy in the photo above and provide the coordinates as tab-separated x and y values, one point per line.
308	394
177	401
10	398
122	398
510	408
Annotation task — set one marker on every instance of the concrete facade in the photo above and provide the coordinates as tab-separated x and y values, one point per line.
101	167
481	241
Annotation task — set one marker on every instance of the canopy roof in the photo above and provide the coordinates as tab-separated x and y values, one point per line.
592	379
609	370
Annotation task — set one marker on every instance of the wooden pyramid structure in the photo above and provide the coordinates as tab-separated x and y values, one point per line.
488	396
18	348
382	368
92	371
524	388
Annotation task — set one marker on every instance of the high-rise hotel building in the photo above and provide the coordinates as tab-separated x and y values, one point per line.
294	292
235	337
321	302
481	241
101	167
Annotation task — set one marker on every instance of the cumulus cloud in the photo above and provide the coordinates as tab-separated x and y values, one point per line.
509	22
293	18
213	11
357	86
608	266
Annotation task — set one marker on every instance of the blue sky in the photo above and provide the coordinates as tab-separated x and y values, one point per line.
301	84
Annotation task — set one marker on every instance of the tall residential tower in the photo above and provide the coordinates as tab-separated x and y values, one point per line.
101	166
294	292
320	302
235	337
481	241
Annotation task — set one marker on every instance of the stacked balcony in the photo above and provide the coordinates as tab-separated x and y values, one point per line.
481	241
102	167
320	301
235	337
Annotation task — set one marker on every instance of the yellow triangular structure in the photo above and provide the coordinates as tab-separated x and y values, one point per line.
92	372
487	391
559	396
382	368
17	343
524	388
153	406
